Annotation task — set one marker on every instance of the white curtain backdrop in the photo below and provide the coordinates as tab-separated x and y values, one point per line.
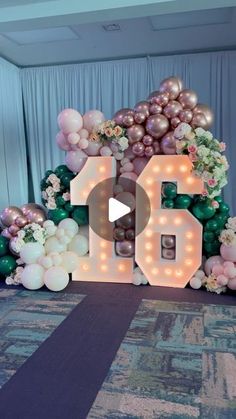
13	164
109	86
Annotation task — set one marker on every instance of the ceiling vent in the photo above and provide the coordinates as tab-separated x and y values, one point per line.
111	27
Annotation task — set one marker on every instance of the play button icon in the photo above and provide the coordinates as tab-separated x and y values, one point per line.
117	210
112	205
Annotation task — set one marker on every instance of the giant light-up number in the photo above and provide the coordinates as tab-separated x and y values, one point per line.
102	265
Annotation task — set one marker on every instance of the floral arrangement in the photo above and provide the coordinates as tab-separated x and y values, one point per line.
228	236
15	277
205	153
30	233
52	190
108	131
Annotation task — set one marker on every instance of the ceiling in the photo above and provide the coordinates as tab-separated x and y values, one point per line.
44	32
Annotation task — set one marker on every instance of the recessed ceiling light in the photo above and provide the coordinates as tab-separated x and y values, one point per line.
111	27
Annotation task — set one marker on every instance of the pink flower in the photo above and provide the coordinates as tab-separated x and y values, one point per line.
222	146
215	204
66	196
212	182
192	149
193	157
109	132
204	192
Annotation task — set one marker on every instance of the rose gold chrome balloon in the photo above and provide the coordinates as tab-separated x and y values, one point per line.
168	143
172	109
142	107
119	115
28	207
155	108
6	233
21	221
199	121
171	86
135	133
186	115
36	216
157	125
128	120
9	215
207	112
188	99
161	99
139	117
175	122
13	229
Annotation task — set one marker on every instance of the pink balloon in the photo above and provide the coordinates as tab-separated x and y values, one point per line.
37	215
139	117
93	148
69	120
128	167
83	143
73	138
161	99
62	141
127	221
13	229
188	99
172	86
157	125
6	233
125	248
232	284
130	234
92	119
175	122
9	215
127	180
186	115
147	140
75	160
168	143
128	120
228	252
213	260
127	198
206	111
135	133
149	151
138	148
142	107
157	148
155	108
139	164
21	221
199	120
105	151
172	109
119	115
84	133
128	153
217	269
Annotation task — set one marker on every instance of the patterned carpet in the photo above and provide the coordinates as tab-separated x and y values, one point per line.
177	361
27	319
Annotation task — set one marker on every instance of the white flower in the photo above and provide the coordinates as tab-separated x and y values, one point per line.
50	191
21	234
39	236
227	237
181	130
200	131
203	151
208	135
53	178
123	143
231	223
17	245
35	226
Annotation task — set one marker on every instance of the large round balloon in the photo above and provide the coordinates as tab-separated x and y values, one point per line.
168	143
121	114
79	244
69	225
207	112
70	120
80	215
75	160
31	252
62	141
125	248
32	276
135	133
172	86
58	215
56	278
70	261
9	215
157	125
92	119
7	265
3	246
188	99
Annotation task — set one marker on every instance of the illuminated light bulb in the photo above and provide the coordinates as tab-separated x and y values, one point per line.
148	259
178	221
188	262
189	235
190	180
104	268
155	271
162	220
149	233
179	272
189	248
156	169
169	169
102	169
85	267
121	268
168	271
103	256
183	169
149	181
103	244
148	246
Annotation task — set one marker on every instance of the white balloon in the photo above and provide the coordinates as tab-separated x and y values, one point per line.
30	252
200	274
56	278
137	278
195	282
84	231
52	244
79	244
70	225
45	261
144	280
70	261
32	276
60	232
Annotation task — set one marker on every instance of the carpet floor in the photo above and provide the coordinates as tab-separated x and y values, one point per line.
63	376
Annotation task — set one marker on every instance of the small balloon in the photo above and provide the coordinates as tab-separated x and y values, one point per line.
139	164
119	115
119	233
62	142
157	125
175	121
127	198
147	140
127	221
9	215
188	99
130	234
139	117
21	221
186	115
155	108
168	143
93	148
161	99
199	121
172	109
128	120
142	107
168	254
138	148
149	151
13	229
168	241
171	86
125	248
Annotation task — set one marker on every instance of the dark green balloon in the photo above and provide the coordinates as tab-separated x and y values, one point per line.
211	225
221	219
224	208
218	199
60	170
212	247
80	215
48	173
58	215
7	265
69	207
66	178
203	210
208	236
169	190
168	203
3	246
60	202
183	201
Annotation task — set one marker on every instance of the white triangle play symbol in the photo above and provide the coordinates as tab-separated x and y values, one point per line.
117	210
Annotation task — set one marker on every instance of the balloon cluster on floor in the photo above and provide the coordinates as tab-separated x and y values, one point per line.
170	121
